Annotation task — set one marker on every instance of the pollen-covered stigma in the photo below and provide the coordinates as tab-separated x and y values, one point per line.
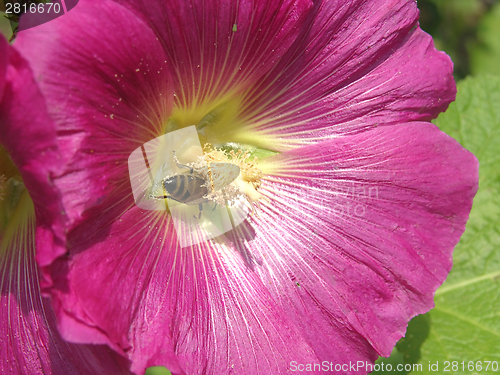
224	188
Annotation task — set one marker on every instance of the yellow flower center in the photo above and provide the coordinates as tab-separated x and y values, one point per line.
219	118
215	120
11	188
15	202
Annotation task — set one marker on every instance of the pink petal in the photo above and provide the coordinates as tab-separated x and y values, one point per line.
195	310
357	65
36	156
340	285
116	95
30	342
366	225
220	46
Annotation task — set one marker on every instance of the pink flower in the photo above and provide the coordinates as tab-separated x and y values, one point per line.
359	209
30	342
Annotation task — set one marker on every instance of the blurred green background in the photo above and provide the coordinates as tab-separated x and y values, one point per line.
464	327
467	30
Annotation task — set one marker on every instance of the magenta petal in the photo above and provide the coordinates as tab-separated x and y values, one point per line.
116	95
356	233
358	66
197	310
218	46
353	239
29	340
36	156
366	225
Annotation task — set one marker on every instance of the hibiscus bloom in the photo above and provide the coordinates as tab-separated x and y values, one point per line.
30	342
361	202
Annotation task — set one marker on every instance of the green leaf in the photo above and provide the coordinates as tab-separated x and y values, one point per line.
465	324
395	361
485	53
157	370
5	28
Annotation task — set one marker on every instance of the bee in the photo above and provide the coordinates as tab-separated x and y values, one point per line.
193	188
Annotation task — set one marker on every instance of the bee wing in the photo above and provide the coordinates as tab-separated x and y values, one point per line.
222	174
156	187
160	175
